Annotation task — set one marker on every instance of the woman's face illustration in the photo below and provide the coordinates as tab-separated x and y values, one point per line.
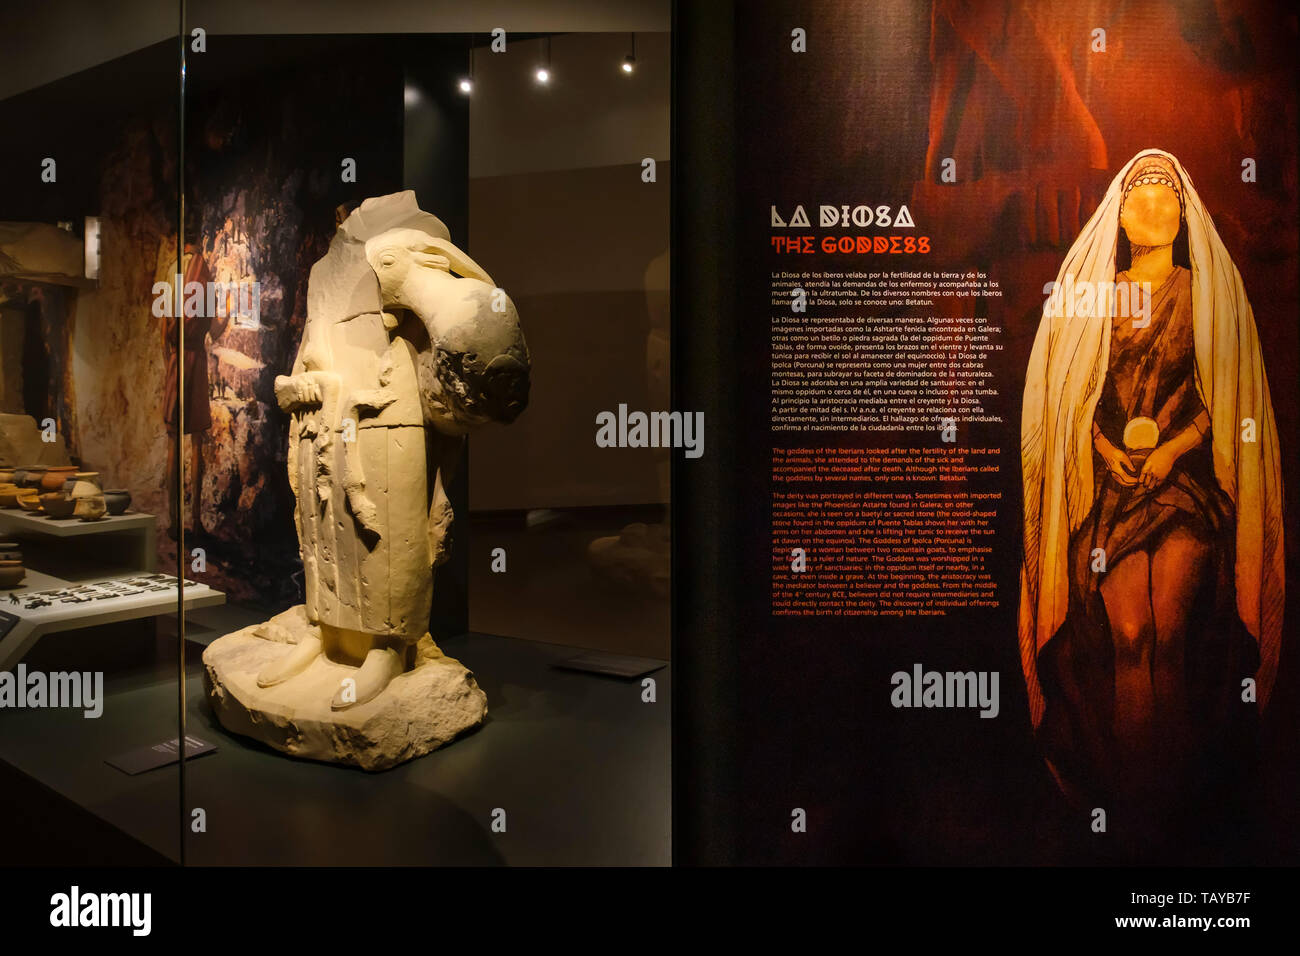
1151	215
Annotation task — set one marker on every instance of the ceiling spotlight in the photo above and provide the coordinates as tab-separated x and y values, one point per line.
466	84
543	73
629	61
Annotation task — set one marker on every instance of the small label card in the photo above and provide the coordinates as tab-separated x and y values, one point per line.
160	755
615	665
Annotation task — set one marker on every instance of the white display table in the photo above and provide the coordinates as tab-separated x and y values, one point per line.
45	603
13	521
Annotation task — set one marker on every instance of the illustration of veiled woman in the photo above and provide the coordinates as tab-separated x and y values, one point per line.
1152	578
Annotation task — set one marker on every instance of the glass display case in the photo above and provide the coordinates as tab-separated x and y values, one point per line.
327	497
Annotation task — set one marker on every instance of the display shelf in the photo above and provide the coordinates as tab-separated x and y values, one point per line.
12	520
77	604
142	526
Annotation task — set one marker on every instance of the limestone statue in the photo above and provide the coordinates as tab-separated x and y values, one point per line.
408	346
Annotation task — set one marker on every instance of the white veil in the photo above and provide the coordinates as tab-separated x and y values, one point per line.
1067	368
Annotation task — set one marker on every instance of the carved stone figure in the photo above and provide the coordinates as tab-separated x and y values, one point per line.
408	346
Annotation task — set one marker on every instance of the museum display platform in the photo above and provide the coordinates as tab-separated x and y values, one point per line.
139	528
580	765
82	574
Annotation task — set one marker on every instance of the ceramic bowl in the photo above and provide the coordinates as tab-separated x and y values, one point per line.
30	501
31	478
54	478
90	507
58	505
12	577
117	500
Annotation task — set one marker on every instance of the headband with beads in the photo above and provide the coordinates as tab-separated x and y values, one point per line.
1153	171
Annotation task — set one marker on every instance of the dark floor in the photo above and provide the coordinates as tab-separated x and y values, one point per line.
551	593
578	762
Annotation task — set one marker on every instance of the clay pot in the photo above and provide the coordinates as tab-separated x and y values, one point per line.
89	507
6	475
54	478
30	501
117	500
9	497
81	484
57	505
11	577
30	477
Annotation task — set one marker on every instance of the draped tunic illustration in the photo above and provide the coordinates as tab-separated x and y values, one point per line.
1151	374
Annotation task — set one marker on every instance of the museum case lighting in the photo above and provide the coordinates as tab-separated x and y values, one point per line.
629	61
543	73
466	84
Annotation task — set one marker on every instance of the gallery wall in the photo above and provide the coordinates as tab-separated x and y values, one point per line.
558	196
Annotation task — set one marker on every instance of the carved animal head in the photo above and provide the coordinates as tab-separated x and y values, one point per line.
473	361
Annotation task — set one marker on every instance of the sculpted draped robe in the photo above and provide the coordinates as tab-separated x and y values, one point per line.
371	514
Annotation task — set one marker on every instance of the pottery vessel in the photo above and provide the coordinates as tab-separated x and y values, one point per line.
54	477
90	507
117	500
30	477
81	484
57	505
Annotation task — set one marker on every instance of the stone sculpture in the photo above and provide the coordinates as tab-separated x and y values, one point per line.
400	359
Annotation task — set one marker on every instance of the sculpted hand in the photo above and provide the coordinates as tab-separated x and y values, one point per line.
296	392
1157	466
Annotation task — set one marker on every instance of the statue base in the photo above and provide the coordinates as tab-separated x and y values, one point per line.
418	712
